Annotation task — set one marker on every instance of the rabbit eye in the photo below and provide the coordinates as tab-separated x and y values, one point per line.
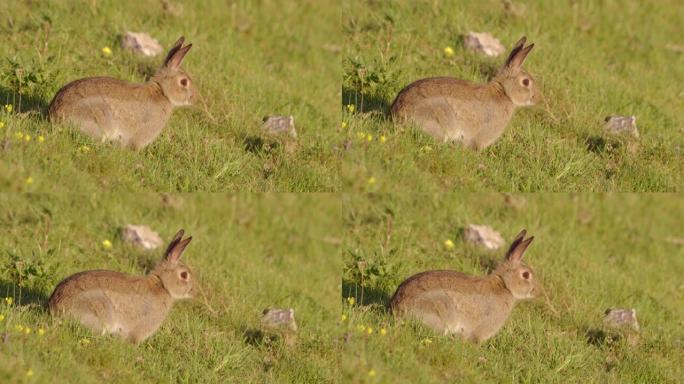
526	275
184	82
184	275
526	82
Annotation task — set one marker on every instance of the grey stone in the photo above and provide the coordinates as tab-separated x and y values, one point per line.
280	125
483	236
141	235
141	43
275	318
621	125
483	43
621	318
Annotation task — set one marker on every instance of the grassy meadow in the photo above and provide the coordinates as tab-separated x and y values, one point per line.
591	59
249	59
591	252
249	252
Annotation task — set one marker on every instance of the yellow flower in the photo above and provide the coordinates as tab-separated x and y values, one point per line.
29	180
19	328
19	135
41	331
351	300
27	330
426	149
2	317
351	108
371	180
9	300
41	138
449	244
27	137
360	327
106	51
84	149
2	124
342	319
360	135
84	341
369	138
383	331
106	244
383	139
344	124
9	108
426	342
369	330
448	52
371	373
29	373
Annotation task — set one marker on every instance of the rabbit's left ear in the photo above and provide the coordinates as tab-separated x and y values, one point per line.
518	55
176	54
176	247
518	247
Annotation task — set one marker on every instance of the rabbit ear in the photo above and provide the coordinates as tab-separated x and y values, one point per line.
174	48
176	250
516	48
518	247
518	54
176	54
174	245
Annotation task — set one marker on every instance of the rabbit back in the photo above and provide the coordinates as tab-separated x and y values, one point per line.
108	109
112	302
451	302
454	110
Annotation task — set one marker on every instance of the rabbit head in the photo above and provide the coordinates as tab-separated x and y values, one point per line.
517	276
517	83
175	83
175	276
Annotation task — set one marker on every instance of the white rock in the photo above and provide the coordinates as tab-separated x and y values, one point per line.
141	43
621	125
280	125
275	318
621	318
141	235
483	235
484	43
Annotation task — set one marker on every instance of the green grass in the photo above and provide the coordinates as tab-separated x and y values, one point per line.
591	58
249	252
591	252
249	59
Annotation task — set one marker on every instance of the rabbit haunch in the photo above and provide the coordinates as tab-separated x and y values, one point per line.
474	308
132	307
476	115
132	115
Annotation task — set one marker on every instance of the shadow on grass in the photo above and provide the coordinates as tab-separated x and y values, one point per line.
365	103
365	295
255	337
598	337
595	144
488	70
256	145
23	103
258	338
21	295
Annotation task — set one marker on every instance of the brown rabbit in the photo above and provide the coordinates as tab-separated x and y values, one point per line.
132	307
474	308
132	115
476	115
